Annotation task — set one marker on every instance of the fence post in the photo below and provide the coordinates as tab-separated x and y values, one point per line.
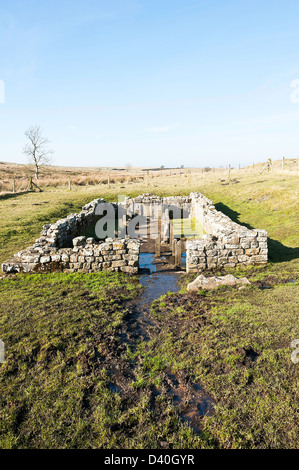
13	186
178	254
70	184
158	246
171	235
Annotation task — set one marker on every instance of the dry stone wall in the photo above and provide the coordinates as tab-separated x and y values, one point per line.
61	233
87	255
226	243
62	247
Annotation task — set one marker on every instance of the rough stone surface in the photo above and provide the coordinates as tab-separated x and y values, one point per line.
87	257
226	243
209	283
62	247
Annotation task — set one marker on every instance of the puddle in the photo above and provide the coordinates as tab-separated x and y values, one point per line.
159	283
188	397
194	403
149	263
146	263
158	277
114	388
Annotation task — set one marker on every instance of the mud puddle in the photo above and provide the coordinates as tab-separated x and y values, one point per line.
191	402
187	396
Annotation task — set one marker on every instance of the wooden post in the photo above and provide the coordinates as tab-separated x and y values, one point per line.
173	243
148	181
188	177
283	163
13	186
158	246
178	253
31	184
170	233
69	184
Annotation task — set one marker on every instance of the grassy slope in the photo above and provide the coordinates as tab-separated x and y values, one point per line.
237	345
55	390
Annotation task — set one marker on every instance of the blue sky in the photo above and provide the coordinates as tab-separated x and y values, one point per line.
151	82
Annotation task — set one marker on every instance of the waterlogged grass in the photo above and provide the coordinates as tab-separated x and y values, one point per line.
70	380
56	330
63	352
237	345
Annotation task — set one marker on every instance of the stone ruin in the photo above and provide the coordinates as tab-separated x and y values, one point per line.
226	244
64	247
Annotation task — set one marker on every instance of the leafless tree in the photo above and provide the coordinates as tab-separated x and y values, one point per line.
37	149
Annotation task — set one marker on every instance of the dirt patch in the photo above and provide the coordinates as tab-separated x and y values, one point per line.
189	400
268	282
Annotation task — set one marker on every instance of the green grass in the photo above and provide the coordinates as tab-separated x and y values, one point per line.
62	355
256	396
69	381
54	387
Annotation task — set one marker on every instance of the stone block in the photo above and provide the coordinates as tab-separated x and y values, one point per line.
252	251
129	269
79	241
119	263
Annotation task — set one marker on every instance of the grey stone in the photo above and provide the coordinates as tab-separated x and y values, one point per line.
209	283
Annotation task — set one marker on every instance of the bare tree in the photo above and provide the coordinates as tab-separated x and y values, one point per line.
37	149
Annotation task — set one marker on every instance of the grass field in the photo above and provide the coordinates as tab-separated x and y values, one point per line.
63	341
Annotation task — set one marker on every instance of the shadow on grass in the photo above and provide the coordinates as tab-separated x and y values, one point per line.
278	252
5	196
